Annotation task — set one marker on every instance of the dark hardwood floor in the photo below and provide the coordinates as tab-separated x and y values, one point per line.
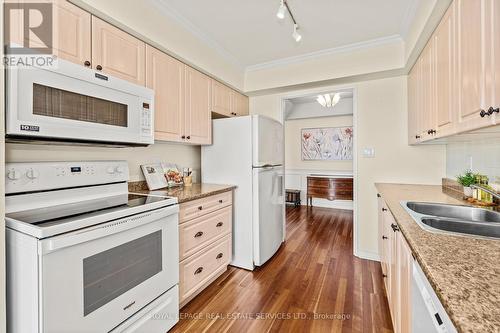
313	284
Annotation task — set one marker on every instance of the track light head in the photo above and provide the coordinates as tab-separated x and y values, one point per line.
281	11
296	34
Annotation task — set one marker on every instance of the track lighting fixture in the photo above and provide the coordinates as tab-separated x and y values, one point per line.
282	10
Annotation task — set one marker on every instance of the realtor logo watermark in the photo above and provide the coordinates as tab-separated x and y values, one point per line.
28	30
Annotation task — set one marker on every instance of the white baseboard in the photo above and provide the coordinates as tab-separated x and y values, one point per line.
336	204
367	255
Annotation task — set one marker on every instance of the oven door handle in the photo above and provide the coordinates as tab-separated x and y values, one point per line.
106	229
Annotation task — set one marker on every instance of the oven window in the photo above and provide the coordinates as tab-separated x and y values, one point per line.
58	103
109	274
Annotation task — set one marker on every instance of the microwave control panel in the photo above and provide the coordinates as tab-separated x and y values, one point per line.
146	121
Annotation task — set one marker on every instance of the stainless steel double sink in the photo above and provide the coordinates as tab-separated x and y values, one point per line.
454	219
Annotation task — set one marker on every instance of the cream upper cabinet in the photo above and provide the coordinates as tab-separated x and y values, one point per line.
221	98
165	75
473	63
239	104
428	97
198	120
117	53
444	74
495	10
71	32
414	131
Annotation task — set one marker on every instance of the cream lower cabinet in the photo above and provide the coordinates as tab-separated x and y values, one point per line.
205	237
396	262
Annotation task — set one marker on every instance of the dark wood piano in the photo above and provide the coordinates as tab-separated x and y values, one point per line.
329	187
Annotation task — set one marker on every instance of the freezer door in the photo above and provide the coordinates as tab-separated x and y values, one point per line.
267	137
268	214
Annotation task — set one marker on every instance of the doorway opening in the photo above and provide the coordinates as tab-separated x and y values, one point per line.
320	151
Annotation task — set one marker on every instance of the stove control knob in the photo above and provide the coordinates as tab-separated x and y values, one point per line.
119	169
32	174
110	170
13	174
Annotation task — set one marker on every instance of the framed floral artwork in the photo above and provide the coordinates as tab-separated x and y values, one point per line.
327	144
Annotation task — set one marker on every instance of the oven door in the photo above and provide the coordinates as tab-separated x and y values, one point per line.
76	103
94	279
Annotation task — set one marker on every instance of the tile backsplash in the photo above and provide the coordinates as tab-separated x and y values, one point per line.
480	156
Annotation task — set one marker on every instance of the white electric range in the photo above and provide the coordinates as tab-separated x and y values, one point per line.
84	254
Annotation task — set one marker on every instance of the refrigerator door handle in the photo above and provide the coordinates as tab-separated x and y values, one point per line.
280	186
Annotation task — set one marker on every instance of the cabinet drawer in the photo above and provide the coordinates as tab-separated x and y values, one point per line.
199	232
197	208
194	272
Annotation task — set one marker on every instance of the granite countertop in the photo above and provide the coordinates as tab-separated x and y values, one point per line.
186	193
464	271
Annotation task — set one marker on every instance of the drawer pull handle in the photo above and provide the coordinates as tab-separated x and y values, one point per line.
220	201
200	207
198	234
384	237
220	255
220	224
384	209
198	270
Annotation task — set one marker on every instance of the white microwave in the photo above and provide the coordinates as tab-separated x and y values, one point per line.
71	103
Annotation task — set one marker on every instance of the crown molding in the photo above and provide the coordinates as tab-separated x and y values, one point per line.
408	18
168	10
321	53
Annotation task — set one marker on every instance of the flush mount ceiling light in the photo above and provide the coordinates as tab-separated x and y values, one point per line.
282	10
328	100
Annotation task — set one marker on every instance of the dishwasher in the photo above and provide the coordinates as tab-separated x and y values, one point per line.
428	314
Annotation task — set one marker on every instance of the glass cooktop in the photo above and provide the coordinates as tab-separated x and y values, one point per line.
54	215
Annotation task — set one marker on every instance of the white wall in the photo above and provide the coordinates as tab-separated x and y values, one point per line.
150	20
293	158
480	156
184	155
380	123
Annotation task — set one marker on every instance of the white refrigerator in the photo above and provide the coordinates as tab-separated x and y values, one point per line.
248	152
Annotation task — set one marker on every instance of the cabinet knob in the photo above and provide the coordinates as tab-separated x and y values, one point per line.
220	255
220	201
87	63
220	224
384	275
384	209
183	137
198	270
188	137
99	67
483	114
417	136
394	227
491	110
384	237
200	207
378	195
198	234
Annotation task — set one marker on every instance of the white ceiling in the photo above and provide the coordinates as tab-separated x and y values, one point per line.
248	32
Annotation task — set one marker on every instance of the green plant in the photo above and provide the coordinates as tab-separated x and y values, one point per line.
467	179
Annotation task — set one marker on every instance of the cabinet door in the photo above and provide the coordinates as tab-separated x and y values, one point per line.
428	93
165	75
444	65
389	251
472	41
71	32
382	237
495	21
404	277
414	110
221	98
198	120
239	104
118	53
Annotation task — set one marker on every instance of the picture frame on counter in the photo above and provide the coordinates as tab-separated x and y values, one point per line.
154	175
